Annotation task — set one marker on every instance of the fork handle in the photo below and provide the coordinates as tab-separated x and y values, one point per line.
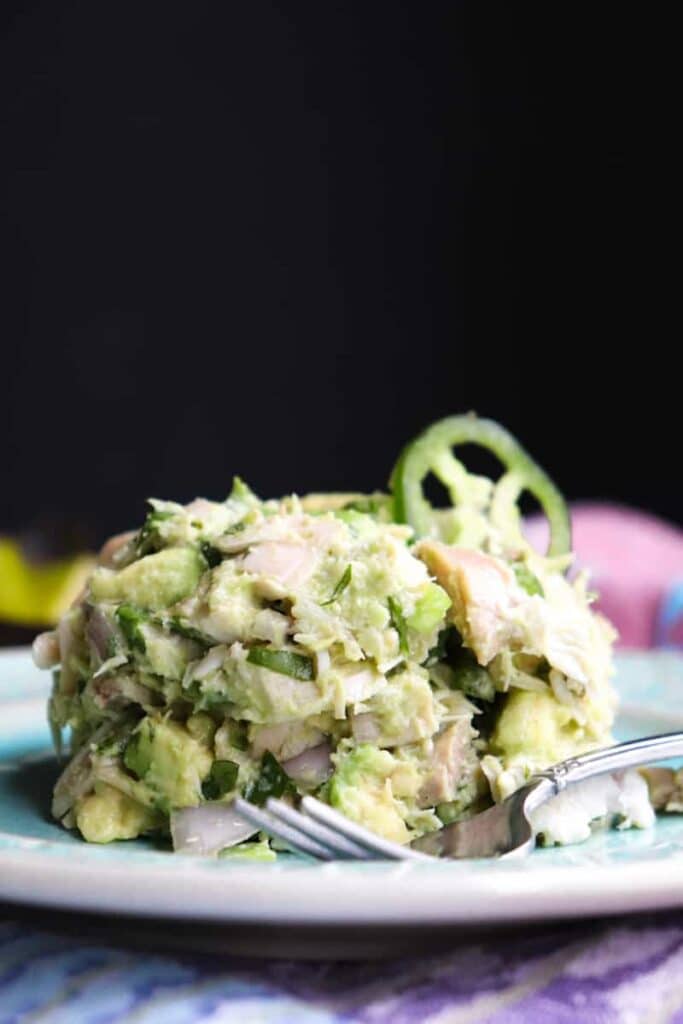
610	759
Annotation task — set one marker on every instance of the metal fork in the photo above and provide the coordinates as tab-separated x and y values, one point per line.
504	830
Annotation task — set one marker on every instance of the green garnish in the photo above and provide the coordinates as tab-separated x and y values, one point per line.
236	528
447	642
287	663
221	780
237	733
129	619
341	586
272	780
211	555
431	453
399	623
149	539
176	625
250	850
137	756
526	579
470	677
240	490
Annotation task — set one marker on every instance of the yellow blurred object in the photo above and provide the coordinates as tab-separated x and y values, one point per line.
36	595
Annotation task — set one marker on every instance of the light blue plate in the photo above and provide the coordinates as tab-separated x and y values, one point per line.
41	864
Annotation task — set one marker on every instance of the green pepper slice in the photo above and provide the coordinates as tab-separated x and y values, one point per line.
287	663
431	452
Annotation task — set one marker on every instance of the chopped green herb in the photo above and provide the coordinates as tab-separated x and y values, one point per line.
287	663
271	781
438	651
526	579
211	555
341	586
237	733
221	780
129	619
176	625
470	677
137	756
148	539
448	643
399	623
236	527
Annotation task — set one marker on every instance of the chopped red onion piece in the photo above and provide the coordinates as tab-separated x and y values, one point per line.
365	728
312	767
208	829
46	650
98	633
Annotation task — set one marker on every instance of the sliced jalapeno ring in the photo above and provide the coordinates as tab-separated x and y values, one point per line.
431	452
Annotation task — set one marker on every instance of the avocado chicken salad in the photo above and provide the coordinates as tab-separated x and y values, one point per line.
409	665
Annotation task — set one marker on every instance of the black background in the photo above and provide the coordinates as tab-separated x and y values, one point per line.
278	239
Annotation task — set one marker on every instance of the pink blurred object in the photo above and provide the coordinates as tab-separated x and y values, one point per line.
636	565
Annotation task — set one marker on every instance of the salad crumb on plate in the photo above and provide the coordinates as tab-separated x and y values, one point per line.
406	664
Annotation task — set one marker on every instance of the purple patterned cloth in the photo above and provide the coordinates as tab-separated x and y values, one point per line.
626	972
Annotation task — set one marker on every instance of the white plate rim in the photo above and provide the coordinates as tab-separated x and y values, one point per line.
403	894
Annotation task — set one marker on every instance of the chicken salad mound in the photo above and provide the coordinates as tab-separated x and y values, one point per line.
407	669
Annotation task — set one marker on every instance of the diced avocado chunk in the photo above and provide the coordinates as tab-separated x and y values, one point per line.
361	789
265	696
202	726
137	756
430	609
232	603
167	655
153	582
536	726
171	761
404	709
108	814
256	851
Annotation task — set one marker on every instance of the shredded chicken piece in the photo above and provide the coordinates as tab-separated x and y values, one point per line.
449	764
484	593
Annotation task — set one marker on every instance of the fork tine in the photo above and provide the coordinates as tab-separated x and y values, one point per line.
297	840
382	848
338	844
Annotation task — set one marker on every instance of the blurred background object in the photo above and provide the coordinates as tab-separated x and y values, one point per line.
33	594
279	240
635	563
